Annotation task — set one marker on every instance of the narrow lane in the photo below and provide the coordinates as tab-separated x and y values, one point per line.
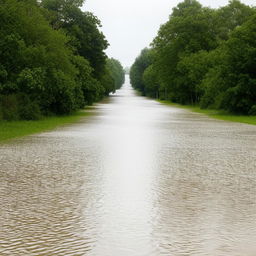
135	178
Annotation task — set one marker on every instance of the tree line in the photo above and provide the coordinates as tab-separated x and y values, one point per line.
202	56
52	59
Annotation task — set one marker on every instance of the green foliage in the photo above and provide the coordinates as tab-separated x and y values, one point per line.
231	16
92	89
52	59
82	28
218	114
240	95
15	129
107	81
116	72
19	106
231	84
203	56
150	81
30	52
138	68
189	30
28	108
9	107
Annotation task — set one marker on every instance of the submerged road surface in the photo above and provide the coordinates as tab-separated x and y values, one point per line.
135	178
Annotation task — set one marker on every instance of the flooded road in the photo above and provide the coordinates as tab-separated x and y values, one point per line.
135	178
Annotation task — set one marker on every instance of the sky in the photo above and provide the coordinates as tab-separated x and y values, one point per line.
130	26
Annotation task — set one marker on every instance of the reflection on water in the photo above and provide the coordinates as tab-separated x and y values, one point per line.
135	178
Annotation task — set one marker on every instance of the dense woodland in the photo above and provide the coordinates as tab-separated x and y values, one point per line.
52	59
202	56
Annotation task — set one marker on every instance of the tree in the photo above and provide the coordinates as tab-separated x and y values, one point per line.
150	81
202	56
116	72
138	68
35	59
189	30
231	16
82	28
52	60
238	79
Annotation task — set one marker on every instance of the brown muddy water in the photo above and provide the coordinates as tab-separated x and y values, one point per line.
136	178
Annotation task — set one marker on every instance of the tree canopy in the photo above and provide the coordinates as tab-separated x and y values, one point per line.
52	59
202	56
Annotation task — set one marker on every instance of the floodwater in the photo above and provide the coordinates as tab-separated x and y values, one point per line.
135	178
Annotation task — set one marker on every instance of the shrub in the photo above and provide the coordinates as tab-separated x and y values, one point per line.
9	106
28	109
253	110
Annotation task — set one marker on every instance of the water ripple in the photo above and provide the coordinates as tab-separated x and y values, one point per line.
135	178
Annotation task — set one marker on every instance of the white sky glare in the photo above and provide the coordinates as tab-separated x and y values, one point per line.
130	26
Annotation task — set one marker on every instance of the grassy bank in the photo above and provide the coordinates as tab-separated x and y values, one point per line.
217	114
15	129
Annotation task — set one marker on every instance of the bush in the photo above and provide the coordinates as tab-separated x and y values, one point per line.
253	110
1	113
28	109
18	106
9	106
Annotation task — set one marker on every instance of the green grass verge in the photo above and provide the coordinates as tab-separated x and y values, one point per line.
15	129
217	114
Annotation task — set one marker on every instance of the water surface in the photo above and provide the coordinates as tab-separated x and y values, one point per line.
135	178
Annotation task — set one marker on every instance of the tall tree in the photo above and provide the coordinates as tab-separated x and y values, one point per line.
138	68
190	29
83	30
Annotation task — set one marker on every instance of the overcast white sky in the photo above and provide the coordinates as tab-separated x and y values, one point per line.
130	26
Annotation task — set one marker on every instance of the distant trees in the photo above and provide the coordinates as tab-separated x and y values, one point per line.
52	59
127	70
203	56
138	68
116	72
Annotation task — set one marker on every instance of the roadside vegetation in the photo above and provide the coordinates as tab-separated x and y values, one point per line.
15	129
203	57
52	60
214	113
